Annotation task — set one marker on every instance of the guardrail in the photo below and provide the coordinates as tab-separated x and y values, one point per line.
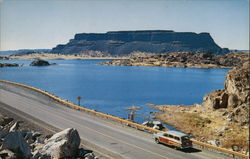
74	106
123	121
233	153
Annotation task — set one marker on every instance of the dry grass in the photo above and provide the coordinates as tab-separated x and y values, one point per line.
190	123
206	126
236	136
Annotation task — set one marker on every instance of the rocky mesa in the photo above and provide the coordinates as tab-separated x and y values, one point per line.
125	42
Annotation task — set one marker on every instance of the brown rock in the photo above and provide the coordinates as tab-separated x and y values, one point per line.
235	96
224	100
232	101
215	100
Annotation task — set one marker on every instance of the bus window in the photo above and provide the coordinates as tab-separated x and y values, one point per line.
176	138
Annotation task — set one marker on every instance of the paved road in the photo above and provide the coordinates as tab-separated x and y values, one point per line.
125	141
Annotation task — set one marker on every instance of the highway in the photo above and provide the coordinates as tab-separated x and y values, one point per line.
109	135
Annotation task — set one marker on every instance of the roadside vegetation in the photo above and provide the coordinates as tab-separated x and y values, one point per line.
210	126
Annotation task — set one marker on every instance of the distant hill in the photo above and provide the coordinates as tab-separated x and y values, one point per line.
154	41
24	51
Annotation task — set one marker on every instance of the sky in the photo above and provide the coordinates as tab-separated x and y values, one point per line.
43	24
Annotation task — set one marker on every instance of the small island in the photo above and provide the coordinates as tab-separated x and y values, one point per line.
40	62
9	65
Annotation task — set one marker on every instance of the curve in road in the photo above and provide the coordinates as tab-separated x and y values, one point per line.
120	139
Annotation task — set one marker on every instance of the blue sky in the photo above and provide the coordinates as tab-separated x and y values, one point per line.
36	24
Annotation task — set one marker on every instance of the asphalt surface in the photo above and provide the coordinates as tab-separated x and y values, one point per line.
124	141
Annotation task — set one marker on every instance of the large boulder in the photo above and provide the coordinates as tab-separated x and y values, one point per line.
63	144
16	143
215	100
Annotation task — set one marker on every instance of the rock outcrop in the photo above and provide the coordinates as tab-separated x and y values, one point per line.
18	142
125	42
63	144
235	96
223	117
9	65
183	59
40	62
4	57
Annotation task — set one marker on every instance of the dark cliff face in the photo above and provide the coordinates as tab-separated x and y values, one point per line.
125	42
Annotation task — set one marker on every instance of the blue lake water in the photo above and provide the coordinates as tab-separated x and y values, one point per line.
110	89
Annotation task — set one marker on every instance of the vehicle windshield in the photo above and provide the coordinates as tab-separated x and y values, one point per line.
185	138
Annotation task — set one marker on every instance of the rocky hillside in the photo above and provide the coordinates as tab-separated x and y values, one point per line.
223	117
125	42
184	59
235	96
18	142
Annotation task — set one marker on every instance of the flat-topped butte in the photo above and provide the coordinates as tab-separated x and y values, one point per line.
124	42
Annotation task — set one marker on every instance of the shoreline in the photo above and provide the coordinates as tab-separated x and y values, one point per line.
170	60
172	66
183	60
223	117
35	123
79	112
50	56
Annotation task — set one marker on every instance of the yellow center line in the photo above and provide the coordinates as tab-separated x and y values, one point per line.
119	140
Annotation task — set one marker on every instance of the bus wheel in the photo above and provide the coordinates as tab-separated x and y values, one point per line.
157	141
